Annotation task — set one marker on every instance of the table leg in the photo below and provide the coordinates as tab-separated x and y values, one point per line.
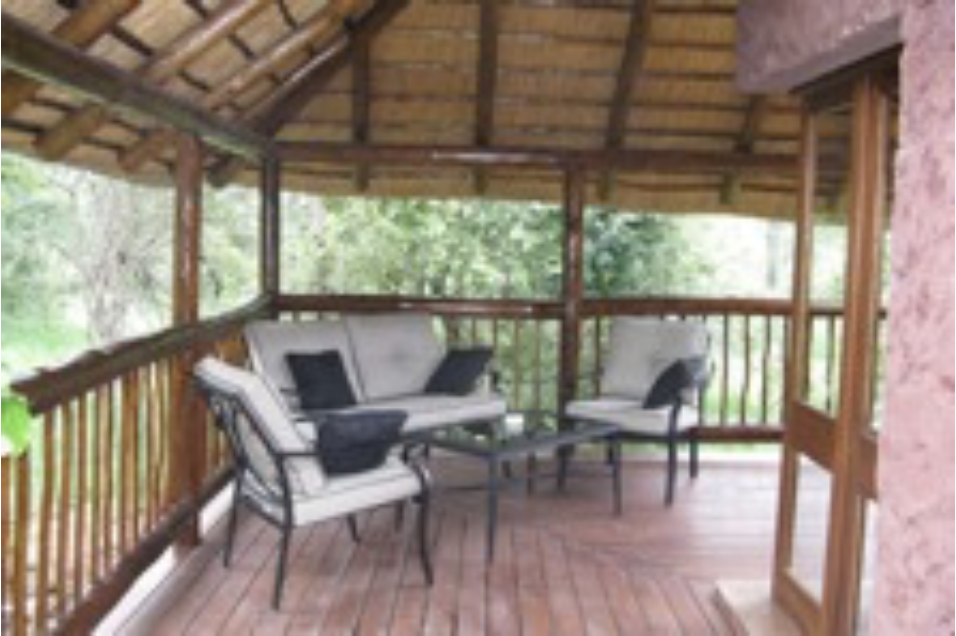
564	455
532	472
493	484
615	451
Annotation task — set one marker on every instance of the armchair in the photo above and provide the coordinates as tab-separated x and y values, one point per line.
656	372
278	472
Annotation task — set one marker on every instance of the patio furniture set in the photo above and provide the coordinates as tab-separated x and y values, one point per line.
337	417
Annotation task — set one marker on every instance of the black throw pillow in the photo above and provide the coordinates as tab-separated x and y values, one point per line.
349	443
673	380
459	372
320	381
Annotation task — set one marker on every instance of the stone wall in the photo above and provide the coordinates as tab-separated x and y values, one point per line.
784	43
914	590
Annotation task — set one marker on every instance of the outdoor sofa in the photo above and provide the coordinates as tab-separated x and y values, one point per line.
389	359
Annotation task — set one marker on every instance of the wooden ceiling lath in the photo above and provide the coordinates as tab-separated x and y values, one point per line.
81	28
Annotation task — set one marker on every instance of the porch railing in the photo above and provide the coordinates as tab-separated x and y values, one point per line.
126	456
117	474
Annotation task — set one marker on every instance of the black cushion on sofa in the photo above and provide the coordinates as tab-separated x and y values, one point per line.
320	380
459	371
349	443
672	381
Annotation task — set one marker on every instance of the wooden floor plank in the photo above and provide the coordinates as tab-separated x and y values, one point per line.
532	594
473	592
441	617
565	564
503	617
562	599
411	605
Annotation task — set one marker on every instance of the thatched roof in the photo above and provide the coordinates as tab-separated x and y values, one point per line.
549	74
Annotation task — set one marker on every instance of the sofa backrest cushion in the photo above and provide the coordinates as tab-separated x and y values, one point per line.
640	349
271	341
395	353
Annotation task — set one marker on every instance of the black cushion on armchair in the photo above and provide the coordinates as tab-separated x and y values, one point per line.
669	386
459	372
349	443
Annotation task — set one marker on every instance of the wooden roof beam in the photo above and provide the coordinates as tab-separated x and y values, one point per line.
79	125
756	108
47	60
317	28
628	75
361	106
646	161
487	81
269	116
81	29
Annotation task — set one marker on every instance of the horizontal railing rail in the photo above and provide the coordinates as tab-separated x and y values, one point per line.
123	460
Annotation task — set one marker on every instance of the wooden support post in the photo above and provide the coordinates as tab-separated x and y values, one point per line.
573	283
269	257
188	440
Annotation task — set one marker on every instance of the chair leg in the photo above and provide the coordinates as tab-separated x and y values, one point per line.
281	566
353	529
694	455
399	515
231	528
424	510
671	470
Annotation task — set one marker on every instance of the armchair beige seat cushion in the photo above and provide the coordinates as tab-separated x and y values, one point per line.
631	416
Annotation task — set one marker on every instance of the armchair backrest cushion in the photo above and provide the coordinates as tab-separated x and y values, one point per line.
271	341
271	428
640	349
395	353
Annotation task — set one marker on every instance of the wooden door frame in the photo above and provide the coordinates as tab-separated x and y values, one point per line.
844	445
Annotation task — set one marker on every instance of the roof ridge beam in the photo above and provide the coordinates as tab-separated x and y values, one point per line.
81	28
70	131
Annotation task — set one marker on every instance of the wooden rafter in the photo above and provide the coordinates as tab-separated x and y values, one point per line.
59	140
319	27
646	161
46	60
81	29
269	116
632	64
487	80
756	108
361	106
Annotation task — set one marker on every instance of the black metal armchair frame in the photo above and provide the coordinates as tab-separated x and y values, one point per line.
226	409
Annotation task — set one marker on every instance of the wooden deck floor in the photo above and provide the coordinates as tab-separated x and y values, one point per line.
565	565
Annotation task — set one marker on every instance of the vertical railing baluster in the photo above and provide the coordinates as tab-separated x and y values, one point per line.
44	548
831	363
82	502
766	362
598	338
65	506
725	372
538	364
517	371
23	531
747	363
107	455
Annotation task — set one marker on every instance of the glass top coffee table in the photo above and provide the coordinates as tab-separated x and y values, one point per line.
518	436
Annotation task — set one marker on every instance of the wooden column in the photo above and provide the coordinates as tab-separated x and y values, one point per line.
573	283
270	224
188	438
